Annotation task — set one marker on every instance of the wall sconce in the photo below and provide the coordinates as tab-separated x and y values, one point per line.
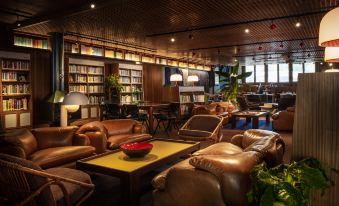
328	31
71	103
176	78
192	78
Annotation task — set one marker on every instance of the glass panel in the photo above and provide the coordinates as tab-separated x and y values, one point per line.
260	73
250	79
309	67
283	73
272	73
296	69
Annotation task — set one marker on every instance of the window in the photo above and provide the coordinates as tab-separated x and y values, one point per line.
309	67
260	73
250	79
296	69
272	73
284	73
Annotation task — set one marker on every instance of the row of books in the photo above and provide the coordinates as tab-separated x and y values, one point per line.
185	98
123	72
132	57
29	42
137	80
126	98
15	64
124	80
86	89
89	50
78	88
95	70
95	89
77	78
136	73
77	69
96	99
15	89
113	54
14	104
13	76
95	79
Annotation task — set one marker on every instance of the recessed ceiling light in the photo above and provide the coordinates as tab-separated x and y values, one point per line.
330	64
247	31
92	6
298	24
321	63
172	39
235	60
18	24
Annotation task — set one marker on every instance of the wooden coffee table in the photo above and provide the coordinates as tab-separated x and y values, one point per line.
254	115
129	170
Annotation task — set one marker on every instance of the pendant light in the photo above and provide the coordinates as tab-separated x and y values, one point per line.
328	31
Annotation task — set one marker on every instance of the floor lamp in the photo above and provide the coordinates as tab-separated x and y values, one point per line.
71	103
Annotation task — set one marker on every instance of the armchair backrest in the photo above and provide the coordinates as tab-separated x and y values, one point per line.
209	123
121	126
242	102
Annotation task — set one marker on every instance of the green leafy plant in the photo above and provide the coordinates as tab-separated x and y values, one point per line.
289	185
113	87
231	90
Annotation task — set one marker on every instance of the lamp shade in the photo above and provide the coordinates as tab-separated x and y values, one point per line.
176	78
192	78
56	97
328	31
332	54
75	98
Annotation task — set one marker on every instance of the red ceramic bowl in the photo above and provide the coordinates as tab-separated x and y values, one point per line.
136	149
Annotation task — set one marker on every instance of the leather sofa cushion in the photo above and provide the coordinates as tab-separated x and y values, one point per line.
121	126
22	138
210	125
252	135
52	157
75	191
222	148
194	133
54	136
115	141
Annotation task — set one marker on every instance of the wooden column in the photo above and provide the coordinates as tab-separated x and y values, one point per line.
316	126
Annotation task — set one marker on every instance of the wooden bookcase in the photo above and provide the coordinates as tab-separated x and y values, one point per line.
35	42
131	77
16	90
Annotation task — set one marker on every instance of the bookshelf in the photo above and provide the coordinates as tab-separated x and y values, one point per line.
130	76
16	94
31	42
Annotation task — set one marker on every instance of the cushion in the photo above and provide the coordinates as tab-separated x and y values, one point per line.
56	156
22	138
54	136
75	191
121	126
196	133
222	148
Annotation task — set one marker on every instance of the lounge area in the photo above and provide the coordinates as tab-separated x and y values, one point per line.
169	103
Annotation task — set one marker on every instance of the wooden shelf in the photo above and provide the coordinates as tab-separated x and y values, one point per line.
13	95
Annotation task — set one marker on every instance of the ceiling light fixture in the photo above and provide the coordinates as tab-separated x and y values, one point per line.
247	31
92	6
330	64
172	39
298	24
328	30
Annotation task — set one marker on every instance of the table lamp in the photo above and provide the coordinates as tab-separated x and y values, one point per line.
176	78
192	78
71	103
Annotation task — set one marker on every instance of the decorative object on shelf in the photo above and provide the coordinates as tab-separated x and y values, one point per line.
176	78
192	78
113	88
287	184
232	77
71	103
328	32
136	149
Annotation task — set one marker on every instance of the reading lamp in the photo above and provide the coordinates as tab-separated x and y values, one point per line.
71	103
193	78
176	78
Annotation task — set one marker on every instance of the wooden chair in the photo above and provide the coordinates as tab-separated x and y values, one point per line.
24	183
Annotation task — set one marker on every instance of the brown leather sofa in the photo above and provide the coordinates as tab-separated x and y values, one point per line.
110	134
283	120
221	109
47	147
219	174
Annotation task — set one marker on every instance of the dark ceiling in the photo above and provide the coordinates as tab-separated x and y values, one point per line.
211	31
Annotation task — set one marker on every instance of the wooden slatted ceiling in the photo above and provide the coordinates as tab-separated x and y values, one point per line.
132	21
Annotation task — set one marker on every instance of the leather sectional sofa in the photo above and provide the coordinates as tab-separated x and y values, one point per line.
283	120
218	174
110	134
47	147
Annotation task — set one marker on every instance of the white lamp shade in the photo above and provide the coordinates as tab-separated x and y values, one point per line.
332	54
75	98
192	78
176	78
328	31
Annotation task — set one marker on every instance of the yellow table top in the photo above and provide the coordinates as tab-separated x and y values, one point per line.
120	161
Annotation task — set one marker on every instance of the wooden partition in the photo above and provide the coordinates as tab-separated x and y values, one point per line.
316	126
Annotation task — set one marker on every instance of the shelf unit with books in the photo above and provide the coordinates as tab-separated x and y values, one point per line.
16	92
31	41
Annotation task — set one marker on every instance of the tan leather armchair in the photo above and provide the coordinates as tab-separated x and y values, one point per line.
114	132
283	120
221	109
219	174
47	147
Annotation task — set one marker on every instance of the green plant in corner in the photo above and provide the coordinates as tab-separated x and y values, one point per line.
289	185
231	90
113	87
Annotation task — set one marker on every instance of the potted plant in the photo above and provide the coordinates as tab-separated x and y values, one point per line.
289	185
231	90
113	88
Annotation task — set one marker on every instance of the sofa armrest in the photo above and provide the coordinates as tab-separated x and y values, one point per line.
13	150
138	128
237	140
80	140
97	140
275	116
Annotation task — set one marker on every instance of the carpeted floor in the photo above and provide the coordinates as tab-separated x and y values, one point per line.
107	191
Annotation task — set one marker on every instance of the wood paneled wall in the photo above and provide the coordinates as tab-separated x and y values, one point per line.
316	126
154	91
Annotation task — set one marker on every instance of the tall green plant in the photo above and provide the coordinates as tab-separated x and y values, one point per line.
113	87
231	90
289	185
